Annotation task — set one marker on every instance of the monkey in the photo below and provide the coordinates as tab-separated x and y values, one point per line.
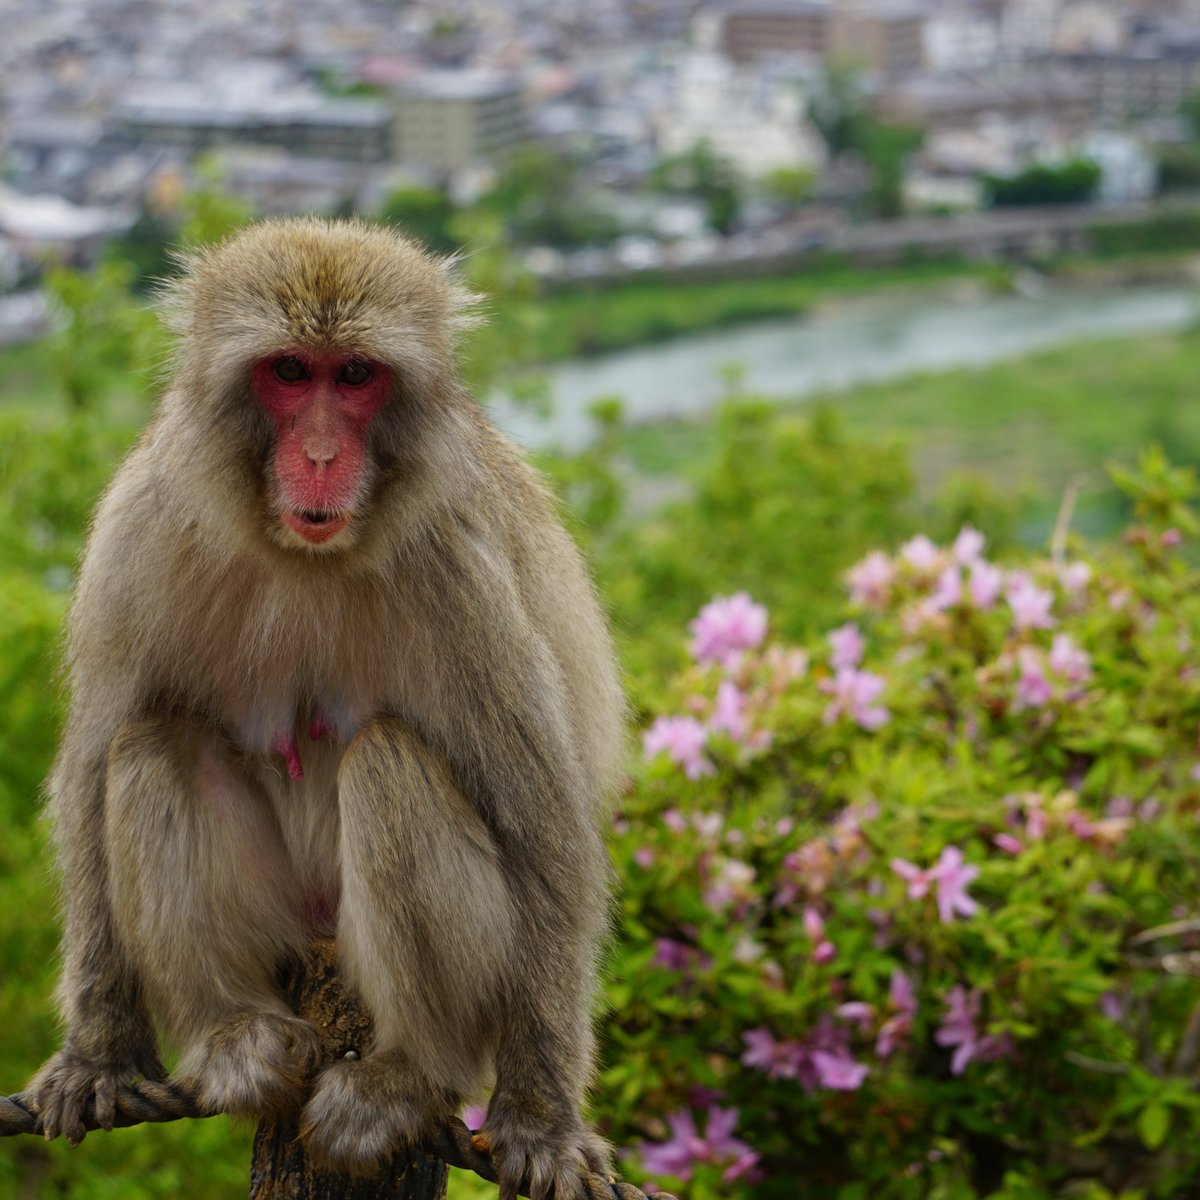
335	667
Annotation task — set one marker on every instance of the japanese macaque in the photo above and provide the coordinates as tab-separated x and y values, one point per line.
335	668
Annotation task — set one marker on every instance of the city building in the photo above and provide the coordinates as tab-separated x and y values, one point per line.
450	119
885	37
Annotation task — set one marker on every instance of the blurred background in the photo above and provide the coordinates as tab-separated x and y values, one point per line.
769	283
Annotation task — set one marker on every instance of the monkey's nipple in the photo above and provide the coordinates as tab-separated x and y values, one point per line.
285	745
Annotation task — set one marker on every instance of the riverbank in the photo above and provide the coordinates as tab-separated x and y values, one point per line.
589	321
1021	430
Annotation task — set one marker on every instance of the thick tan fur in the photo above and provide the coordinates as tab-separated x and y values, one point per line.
452	640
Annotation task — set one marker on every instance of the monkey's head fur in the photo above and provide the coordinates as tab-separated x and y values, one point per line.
321	357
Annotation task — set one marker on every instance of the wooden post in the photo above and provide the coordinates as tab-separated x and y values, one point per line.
281	1169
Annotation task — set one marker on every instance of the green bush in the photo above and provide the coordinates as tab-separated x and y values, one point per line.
910	911
1071	182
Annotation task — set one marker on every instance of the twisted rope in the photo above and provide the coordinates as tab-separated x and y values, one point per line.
147	1101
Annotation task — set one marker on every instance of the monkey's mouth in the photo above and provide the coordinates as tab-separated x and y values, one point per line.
316	525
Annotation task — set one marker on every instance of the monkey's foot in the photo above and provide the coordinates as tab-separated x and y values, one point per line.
254	1065
70	1083
363	1112
552	1158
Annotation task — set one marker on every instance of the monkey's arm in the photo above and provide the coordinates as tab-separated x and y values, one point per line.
109	1039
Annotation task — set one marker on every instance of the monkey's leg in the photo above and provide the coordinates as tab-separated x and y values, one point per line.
110	1039
206	905
425	927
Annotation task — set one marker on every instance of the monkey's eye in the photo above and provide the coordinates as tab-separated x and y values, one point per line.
290	370
355	374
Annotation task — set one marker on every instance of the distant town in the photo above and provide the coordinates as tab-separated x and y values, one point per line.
616	136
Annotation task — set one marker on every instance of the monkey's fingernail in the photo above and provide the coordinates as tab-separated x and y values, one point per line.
482	1143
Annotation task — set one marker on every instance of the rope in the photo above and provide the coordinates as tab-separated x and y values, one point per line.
147	1101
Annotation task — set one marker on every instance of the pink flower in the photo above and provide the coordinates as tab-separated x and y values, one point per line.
986	584
1074	577
814	925
729	711
854	692
918	881
682	739
730	883
896	1029
1008	843
921	553
678	1156
952	879
1033	688
1030	605
1069	660
847	644
725	627
870	579
857	1012
838	1072
779	1060
1170	537
948	591
644	857
968	546
814	928
959	1030
674	820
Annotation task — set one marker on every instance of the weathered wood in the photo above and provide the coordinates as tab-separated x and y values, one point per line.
281	1169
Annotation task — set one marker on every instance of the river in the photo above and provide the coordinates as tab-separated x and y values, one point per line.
838	346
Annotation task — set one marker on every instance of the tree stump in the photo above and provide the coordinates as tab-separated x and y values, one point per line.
281	1169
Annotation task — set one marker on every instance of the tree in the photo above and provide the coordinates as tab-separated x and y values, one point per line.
424	213
708	176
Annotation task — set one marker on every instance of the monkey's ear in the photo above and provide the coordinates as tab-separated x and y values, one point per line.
466	306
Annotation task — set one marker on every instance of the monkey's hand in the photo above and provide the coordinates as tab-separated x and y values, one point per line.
74	1081
363	1112
546	1150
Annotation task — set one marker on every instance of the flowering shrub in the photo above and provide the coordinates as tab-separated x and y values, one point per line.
909	911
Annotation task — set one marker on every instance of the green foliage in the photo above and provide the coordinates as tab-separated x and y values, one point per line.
539	196
703	173
208	212
1029	749
105	334
1172	229
1178	168
887	148
1073	182
838	109
778	505
425	213
791	186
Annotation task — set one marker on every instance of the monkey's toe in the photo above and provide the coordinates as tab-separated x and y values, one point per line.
362	1113
253	1065
548	1164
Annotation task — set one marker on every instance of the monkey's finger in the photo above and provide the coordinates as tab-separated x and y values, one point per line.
48	1115
72	1119
106	1102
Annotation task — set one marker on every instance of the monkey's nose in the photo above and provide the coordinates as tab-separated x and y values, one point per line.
320	452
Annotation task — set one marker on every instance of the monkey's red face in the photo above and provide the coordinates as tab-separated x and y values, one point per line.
321	405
